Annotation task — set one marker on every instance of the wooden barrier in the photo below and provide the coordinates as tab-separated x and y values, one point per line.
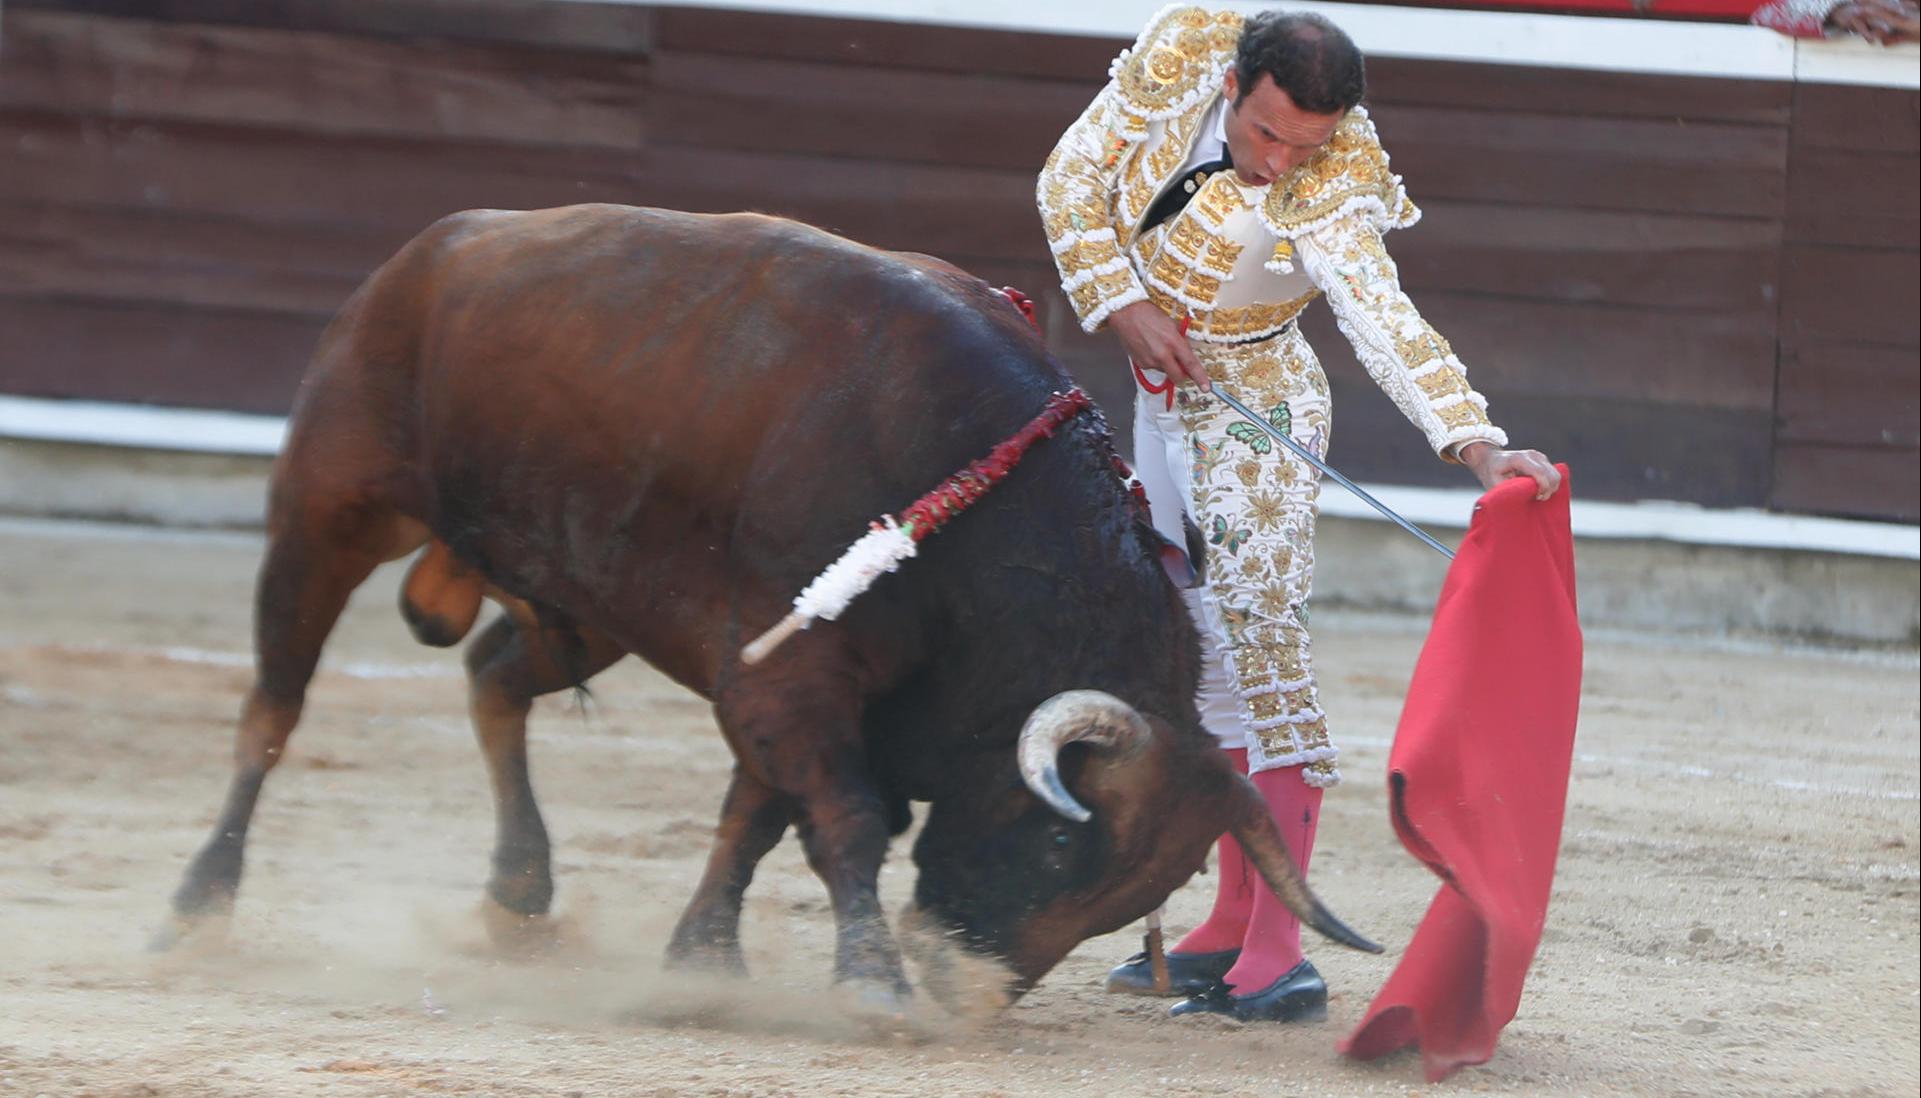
1690	288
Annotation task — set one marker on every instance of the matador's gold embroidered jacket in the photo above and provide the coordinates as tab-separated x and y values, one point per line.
1241	262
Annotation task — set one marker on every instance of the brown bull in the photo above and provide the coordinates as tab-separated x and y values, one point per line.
642	432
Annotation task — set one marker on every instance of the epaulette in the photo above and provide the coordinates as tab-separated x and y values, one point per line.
1350	174
1175	65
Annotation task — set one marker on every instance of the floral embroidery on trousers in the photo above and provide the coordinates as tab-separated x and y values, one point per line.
1254	502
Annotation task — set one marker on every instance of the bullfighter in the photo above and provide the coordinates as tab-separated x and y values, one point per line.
1225	178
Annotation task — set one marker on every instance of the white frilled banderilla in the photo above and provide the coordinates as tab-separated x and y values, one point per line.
890	541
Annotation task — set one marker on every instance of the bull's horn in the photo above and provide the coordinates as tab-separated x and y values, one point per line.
1075	716
1261	841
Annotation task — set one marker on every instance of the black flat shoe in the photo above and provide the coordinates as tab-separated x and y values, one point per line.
1213	999
1187	973
1299	996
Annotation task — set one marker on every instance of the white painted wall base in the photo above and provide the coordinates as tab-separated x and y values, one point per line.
132	427
1627	580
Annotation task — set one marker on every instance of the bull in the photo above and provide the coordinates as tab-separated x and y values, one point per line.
642	431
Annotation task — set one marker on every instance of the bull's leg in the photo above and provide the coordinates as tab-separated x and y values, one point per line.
508	667
792	730
752	820
311	568
845	834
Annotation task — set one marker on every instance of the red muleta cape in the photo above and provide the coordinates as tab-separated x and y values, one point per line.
1477	780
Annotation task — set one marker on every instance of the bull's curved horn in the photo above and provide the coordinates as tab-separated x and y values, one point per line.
1254	829
1074	716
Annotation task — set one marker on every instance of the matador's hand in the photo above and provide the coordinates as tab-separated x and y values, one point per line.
1883	22
1493	465
1155	342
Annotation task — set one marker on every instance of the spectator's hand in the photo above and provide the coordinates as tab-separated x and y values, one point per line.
1493	465
1883	22
1155	342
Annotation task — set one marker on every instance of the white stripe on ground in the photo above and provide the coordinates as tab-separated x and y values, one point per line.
1734	777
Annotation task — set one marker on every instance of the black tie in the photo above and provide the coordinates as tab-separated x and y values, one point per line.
1175	198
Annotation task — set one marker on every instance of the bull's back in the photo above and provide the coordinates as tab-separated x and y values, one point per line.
640	417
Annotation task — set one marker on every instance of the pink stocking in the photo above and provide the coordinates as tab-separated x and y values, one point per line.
1273	942
1235	883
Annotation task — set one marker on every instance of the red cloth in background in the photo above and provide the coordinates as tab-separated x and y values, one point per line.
1478	780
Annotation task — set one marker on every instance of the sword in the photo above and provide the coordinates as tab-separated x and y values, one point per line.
1327	470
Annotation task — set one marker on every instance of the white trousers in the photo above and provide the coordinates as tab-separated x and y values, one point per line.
1254	502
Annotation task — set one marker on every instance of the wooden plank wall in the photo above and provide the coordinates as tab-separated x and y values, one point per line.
1848	436
188	188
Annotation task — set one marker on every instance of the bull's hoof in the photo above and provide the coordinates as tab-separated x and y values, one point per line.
707	959
192	933
885	1009
518	936
971	987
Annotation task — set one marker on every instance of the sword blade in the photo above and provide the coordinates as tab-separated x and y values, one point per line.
1327	470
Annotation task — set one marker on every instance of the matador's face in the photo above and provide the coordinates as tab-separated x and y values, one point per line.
1267	135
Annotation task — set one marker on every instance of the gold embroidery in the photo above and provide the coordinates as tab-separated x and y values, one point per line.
1428	344
1167	270
1266	707
1164	302
1265	510
1203	289
1247	322
1219	198
1442	382
1175	60
1249	663
1221	254
1283	558
1136	191
1351	165
1164	66
1146	173
1464	414
1188	238
1287	660
1263	377
1165	158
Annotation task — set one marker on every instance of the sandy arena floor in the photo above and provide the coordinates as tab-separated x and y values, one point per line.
1736	910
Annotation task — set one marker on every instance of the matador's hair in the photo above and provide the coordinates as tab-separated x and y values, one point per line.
1311	59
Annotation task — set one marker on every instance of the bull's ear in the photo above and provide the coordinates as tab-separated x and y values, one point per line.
1185	565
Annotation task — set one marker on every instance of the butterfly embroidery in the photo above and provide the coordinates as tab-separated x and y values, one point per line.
1226	536
1317	443
1282	417
1205	459
1255	439
1251	436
